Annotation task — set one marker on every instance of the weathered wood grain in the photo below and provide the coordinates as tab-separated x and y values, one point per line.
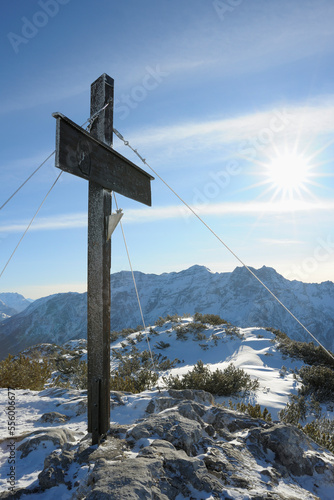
80	154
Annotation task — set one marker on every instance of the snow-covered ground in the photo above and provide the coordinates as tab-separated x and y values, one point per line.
252	349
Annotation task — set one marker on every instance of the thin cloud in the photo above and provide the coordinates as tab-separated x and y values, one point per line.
144	215
273	241
308	120
71	221
217	209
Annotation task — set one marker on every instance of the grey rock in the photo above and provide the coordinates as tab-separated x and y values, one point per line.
55	466
190	398
110	449
59	437
226	421
181	432
77	405
183	473
160	472
54	417
187	450
137	479
291	447
202	397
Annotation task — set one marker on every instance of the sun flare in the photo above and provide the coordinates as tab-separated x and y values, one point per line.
288	174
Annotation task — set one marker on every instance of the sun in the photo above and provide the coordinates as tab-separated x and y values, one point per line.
289	175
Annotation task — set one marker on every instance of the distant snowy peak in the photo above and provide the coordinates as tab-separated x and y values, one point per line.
11	304
6	311
14	301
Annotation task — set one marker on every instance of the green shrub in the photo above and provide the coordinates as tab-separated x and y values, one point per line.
295	411
70	373
221	383
252	411
118	383
24	373
205	347
317	381
175	318
162	345
233	331
308	352
211	319
321	431
114	336
143	380
181	332
160	321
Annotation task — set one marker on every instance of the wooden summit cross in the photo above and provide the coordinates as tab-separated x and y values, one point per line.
90	156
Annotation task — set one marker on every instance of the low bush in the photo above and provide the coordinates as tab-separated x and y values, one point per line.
320	429
24	373
317	381
252	411
210	319
307	351
162	345
295	411
233	331
181	332
141	381
221	383
174	318
115	335
322	432
160	321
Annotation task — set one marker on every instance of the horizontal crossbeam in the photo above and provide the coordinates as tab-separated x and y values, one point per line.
80	154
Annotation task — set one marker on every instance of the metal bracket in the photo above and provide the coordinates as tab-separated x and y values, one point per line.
112	221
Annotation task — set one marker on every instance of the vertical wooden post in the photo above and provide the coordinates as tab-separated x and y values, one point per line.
99	263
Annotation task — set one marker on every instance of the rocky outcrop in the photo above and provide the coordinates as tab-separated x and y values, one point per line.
55	467
185	446
61	438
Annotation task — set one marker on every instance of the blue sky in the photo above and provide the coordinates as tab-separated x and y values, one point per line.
231	102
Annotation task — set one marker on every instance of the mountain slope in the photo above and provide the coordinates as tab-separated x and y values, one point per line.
12	303
6	311
55	319
237	297
15	301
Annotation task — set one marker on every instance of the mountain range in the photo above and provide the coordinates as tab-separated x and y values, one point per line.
236	296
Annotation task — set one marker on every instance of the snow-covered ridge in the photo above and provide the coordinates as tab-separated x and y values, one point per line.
254	350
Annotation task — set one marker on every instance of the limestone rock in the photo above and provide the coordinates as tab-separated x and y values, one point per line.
59	438
184	447
188	448
180	431
202	397
292	449
54	417
110	449
55	467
